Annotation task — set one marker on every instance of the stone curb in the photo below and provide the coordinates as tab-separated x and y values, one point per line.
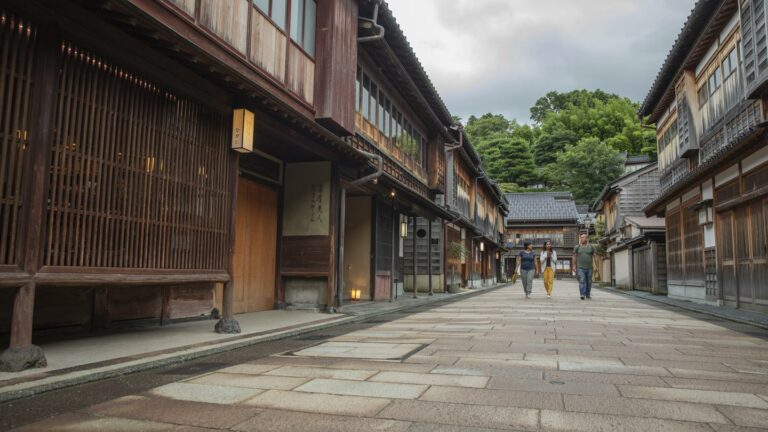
31	388
664	300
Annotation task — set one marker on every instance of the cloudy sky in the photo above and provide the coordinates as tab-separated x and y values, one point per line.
501	55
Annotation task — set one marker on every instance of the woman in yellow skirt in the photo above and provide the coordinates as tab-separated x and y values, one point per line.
548	262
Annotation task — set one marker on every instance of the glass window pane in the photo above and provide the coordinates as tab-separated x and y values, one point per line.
366	95
297	22
374	95
278	12
357	90
309	27
263	5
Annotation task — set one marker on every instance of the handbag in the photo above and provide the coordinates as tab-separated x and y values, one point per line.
514	277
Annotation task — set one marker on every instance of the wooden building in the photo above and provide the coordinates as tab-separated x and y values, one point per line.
170	159
619	201
708	102
537	217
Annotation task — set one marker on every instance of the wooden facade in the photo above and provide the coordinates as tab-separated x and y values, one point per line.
628	236
712	107
121	198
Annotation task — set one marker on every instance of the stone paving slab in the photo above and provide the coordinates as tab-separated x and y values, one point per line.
205	393
645	408
490	397
463	415
569	421
166	410
432	379
263	382
696	396
370	389
319	403
292	421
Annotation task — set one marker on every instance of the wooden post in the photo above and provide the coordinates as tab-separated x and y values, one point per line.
21	325
21	354
227	324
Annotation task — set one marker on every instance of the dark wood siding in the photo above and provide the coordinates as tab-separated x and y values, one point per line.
16	59
336	64
305	256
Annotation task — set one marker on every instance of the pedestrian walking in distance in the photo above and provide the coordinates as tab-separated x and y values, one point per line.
548	260
527	267
583	262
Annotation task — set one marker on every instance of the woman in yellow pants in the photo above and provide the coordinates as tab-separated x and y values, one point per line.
548	262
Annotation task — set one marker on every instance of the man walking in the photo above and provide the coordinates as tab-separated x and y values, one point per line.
583	262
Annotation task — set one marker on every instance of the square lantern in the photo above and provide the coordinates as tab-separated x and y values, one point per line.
482	247
242	130
355	294
403	229
706	212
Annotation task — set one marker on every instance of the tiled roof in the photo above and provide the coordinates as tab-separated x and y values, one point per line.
646	222
686	40
541	207
638	159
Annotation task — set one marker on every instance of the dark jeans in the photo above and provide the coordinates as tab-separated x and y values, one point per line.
585	281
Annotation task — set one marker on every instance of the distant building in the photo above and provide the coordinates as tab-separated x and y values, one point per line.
540	216
709	106
630	238
633	163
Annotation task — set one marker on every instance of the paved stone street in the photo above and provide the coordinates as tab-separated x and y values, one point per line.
493	361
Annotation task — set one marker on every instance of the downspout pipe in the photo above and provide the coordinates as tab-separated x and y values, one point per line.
380	31
342	221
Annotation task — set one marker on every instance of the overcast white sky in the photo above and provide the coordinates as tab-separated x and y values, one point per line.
501	55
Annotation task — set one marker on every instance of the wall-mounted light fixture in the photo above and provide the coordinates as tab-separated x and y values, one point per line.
355	294
242	130
706	212
403	228
482	247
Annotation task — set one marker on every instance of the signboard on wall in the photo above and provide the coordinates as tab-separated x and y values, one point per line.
307	207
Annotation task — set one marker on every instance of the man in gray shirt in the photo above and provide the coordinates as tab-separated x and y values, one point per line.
582	264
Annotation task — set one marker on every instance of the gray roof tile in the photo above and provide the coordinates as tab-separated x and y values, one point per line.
541	207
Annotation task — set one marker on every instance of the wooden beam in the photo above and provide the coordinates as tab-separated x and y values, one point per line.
41	135
21	318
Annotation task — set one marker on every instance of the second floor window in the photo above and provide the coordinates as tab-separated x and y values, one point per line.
730	64
274	9
382	114
303	24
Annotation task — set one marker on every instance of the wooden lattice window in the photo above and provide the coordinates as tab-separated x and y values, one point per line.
674	246
693	243
756	179
727	192
17	52
139	177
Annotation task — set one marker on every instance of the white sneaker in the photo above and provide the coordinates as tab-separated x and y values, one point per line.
527	296
549	296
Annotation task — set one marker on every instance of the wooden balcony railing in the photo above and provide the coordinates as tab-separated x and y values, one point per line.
674	173
749	116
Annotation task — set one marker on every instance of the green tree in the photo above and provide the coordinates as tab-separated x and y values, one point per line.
554	102
585	168
487	126
508	159
548	146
